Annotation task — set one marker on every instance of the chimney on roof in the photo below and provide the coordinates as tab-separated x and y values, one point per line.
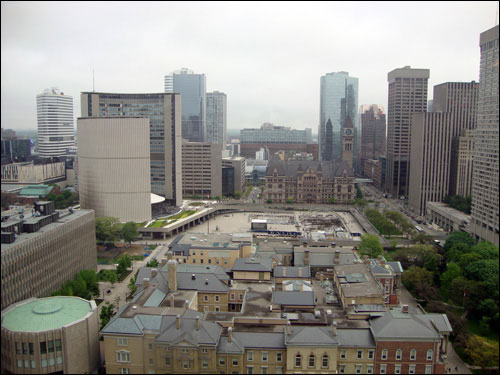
178	321
300	271
288	327
145	282
186	304
163	261
334	328
382	261
404	309
337	257
206	281
172	275
169	255
172	298
154	272
230	334
193	277
197	323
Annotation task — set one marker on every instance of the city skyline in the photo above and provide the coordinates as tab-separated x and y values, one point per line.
244	51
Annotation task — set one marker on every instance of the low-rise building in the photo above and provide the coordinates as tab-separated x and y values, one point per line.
282	273
446	217
253	268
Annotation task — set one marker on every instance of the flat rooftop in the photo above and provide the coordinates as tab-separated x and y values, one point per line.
218	241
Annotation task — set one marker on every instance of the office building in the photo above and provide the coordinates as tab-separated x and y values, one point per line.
338	101
275	138
50	335
407	95
15	150
55	123
163	111
432	135
113	163
37	262
30	173
484	221
216	117
372	133
201	169
238	163
462	161
192	88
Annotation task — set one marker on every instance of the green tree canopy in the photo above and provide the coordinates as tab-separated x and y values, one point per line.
370	245
417	279
458	237
452	272
107	313
482	270
107	229
129	232
486	250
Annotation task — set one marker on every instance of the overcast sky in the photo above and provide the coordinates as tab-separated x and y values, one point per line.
267	57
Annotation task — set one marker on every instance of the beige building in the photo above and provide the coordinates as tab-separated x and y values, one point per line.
113	167
49	335
462	163
201	169
485	189
446	217
432	137
239	164
407	95
29	173
165	136
38	262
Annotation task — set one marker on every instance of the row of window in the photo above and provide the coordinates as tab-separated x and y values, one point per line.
43	364
411	369
24	347
264	356
413	354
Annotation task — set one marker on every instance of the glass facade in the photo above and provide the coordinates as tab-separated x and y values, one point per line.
338	100
192	88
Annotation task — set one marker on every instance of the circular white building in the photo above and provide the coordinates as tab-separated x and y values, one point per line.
47	335
55	123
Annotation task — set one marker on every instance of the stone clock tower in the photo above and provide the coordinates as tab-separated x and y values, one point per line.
348	142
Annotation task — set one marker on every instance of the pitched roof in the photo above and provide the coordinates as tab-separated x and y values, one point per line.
292	271
230	347
290	168
256	264
395	324
355	337
270	340
208	334
311	335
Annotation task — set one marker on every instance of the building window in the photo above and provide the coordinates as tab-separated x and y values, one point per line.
240	296
33	364
398	354
428	369
359	354
411	369
44	363
150	346
204	350
298	360
263	370
384	354
31	349
122	341
342	354
232	296
369	369
371	354
185	364
58	345
205	298
235	361
430	354
250	370
122	356
221	361
383	369
358	369
250	356
18	350
312	360
185	351
413	355
279	356
397	369
167	361
216	298
324	362
279	370
204	363
217	308
19	363
264	356
51	346
25	350
342	369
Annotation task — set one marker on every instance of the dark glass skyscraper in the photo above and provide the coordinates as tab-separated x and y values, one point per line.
192	88
338	100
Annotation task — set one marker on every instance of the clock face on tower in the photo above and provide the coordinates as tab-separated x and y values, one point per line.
348	132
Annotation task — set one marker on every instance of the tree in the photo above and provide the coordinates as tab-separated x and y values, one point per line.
269	201
129	232
486	250
370	245
107	313
417	279
152	263
453	271
91	281
422	238
289	200
482	270
359	193
107	229
483	353
124	262
331	200
131	285
458	237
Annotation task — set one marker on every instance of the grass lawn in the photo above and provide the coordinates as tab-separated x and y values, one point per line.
182	215
158	224
106	261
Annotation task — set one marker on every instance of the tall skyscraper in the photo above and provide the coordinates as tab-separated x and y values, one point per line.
432	138
338	100
192	88
372	133
484	215
55	123
407	95
216	117
163	111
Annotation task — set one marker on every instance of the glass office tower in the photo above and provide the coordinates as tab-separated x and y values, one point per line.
192	88
338	100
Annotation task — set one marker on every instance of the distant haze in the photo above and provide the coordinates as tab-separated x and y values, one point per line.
267	57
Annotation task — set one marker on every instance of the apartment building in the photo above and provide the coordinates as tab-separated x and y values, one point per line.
238	164
201	169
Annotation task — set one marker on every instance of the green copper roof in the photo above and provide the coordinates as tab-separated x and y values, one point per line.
45	314
36	190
